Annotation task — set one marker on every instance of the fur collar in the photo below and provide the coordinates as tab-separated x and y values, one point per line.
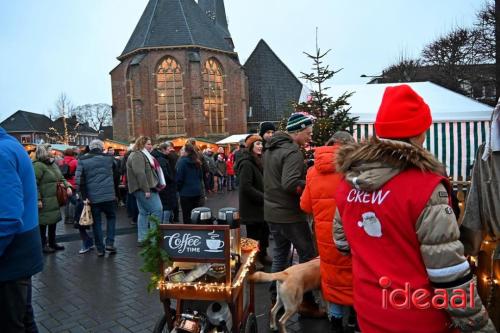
387	153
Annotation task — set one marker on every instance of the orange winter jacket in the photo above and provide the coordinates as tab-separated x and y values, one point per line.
318	199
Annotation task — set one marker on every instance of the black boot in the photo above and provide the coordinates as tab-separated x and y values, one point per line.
336	325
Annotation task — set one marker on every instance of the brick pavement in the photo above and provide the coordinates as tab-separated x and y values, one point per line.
85	293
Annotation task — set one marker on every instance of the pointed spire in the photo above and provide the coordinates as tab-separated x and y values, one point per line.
215	10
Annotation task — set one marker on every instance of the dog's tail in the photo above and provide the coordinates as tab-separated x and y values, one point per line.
267	277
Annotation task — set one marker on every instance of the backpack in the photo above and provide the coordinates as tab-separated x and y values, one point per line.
64	167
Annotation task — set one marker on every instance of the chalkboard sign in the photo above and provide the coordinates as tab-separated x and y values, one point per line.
199	243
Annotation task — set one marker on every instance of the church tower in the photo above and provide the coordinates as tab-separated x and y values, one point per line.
179	75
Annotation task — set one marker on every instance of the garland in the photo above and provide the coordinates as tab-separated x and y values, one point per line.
155	257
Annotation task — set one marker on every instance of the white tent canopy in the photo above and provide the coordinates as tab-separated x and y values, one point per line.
233	139
460	124
445	105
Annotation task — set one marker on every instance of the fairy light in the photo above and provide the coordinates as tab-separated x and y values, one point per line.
212	287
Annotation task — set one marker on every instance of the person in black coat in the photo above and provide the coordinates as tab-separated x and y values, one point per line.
251	194
168	195
172	160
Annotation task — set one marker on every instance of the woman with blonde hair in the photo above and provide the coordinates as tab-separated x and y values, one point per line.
48	177
145	179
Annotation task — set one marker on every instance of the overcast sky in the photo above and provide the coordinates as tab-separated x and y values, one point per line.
54	46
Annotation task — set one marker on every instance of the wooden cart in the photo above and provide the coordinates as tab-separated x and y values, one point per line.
189	243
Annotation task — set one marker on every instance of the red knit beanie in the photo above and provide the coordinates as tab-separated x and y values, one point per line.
402	114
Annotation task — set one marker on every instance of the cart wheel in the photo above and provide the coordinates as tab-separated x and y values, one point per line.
161	325
250	325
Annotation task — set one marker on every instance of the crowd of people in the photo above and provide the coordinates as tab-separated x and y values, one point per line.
381	215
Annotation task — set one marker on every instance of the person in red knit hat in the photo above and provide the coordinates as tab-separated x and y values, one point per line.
394	217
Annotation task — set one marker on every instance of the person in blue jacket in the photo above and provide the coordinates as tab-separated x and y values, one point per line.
20	244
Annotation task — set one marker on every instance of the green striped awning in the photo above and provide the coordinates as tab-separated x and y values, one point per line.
453	143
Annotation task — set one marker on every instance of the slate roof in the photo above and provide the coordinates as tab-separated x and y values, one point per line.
272	86
24	121
170	23
71	124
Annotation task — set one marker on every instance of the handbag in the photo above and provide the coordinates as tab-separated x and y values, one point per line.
62	194
86	217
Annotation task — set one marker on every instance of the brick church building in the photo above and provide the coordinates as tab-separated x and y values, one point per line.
179	76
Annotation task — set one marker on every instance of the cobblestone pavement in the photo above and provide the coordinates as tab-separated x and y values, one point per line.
86	293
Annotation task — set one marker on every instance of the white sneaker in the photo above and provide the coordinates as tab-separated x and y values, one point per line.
85	249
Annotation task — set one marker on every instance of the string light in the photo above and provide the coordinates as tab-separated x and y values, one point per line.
212	287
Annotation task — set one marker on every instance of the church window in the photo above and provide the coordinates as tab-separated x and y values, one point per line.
169	97
213	102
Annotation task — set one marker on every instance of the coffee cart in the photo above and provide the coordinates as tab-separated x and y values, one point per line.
206	246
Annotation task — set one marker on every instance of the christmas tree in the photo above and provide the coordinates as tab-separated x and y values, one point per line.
331	115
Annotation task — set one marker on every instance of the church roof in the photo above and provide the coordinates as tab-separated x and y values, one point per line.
271	85
173	23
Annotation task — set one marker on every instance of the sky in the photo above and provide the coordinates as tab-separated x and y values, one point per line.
54	46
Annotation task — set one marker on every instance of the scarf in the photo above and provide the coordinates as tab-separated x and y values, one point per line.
157	168
493	141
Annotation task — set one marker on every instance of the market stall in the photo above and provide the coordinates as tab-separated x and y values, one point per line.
460	124
200	142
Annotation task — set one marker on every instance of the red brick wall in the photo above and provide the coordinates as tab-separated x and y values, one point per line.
235	84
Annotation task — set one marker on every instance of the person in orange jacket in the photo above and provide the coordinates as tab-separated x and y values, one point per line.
318	199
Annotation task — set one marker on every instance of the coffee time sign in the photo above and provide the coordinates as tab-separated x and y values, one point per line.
195	242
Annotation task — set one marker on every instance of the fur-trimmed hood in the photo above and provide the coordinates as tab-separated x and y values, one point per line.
369	165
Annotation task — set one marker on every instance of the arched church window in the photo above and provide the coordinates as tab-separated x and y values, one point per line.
169	96
213	102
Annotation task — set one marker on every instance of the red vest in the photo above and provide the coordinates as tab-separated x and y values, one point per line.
380	228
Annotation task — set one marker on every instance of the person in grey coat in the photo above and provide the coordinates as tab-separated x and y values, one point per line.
95	180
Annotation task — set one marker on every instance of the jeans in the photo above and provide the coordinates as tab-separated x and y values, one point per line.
221	182
16	312
337	310
147	207
286	234
167	217
109	210
230	183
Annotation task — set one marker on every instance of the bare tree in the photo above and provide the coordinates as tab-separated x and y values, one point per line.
452	56
405	70
96	115
63	112
485	27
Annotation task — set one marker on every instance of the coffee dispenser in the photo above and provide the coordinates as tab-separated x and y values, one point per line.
201	215
231	216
